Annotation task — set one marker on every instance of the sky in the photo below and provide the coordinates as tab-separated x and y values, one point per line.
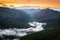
33	3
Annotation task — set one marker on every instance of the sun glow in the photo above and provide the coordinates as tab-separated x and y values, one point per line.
24	5
30	3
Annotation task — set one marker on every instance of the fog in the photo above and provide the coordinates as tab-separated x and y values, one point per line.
35	27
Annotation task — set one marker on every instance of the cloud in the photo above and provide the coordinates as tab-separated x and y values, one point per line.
56	9
36	27
46	3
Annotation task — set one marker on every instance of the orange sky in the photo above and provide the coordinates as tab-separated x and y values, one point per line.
40	3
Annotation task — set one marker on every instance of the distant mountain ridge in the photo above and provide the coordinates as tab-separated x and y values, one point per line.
51	17
47	14
11	18
18	18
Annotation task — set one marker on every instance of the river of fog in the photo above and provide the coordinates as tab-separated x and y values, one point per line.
35	27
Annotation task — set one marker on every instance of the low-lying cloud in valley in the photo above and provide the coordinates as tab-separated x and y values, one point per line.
35	27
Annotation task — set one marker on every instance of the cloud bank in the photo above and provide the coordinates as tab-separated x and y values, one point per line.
35	27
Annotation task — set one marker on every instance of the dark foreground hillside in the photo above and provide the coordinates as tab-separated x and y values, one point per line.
49	34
